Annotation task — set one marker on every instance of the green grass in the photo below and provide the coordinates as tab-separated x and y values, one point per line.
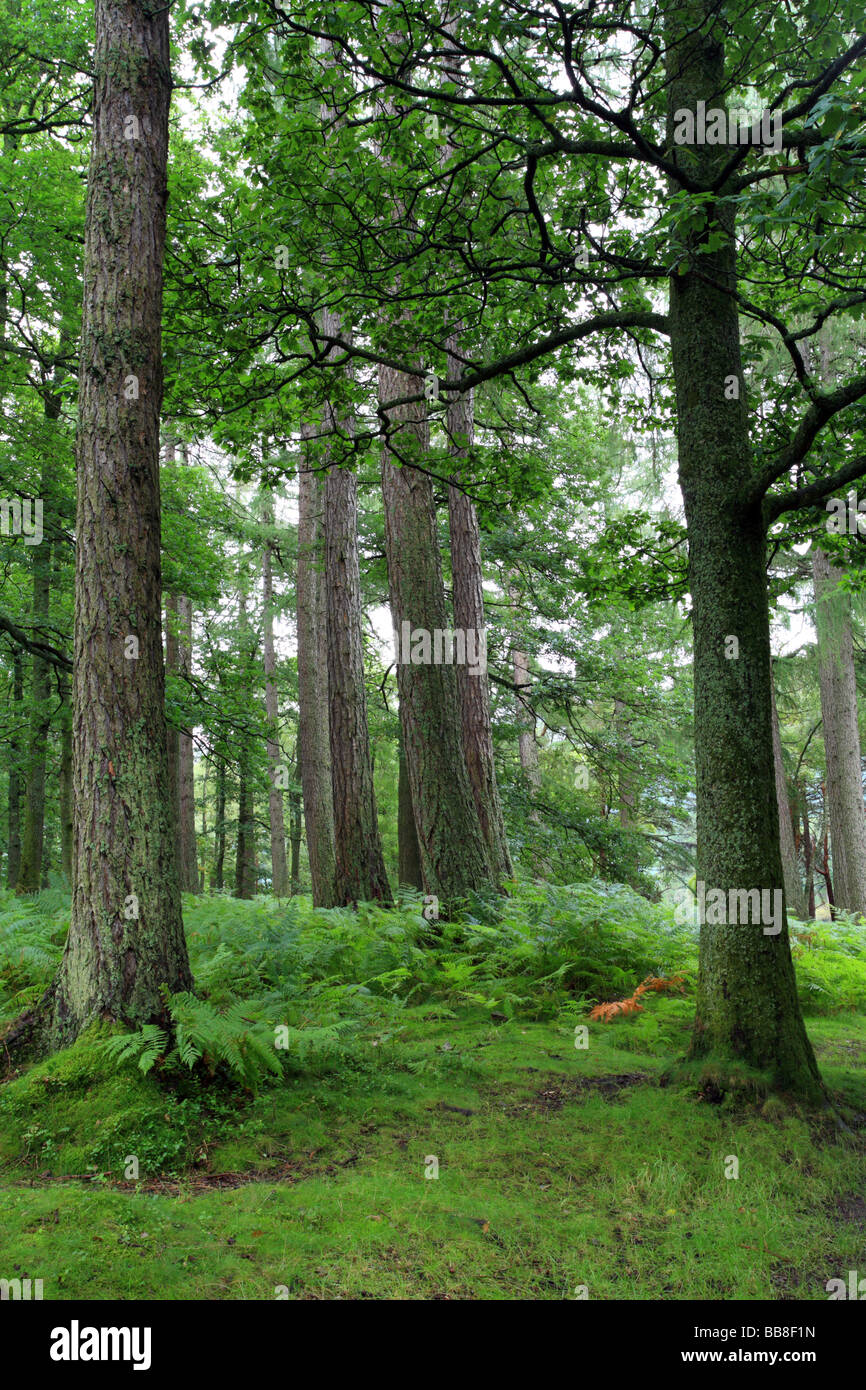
559	1167
552	1183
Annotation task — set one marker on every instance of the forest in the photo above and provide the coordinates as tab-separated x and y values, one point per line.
432	649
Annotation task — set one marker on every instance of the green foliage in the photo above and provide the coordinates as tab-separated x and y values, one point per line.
830	961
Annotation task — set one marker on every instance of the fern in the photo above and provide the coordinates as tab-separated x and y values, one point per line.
145	1046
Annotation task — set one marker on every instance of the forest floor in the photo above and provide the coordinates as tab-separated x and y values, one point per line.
559	1169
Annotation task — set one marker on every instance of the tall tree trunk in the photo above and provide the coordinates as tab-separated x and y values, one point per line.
295	832
245	847
65	780
790	865
747	1006
847	815
30	874
245	868
314	746
473	690
181	768
408	852
279	871
219	829
126	938
187	840
454	858
526	744
359	862
13	861
808	856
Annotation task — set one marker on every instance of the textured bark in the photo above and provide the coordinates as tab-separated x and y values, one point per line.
30	873
747	1006
65	779
219	829
187	840
808	856
279	871
314	747
790	865
454	858
178	661
245	844
245	865
526	744
295	834
408	852
126	936
13	861
172	733
359	862
846	813
473	690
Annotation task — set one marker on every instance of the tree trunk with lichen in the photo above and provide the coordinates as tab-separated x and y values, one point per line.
454	858
126	940
747	1007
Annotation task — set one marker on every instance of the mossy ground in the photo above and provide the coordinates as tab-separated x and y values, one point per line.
558	1168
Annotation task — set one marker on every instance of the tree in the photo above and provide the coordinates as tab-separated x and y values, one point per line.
359	863
454	858
279	871
844	785
314	739
126	939
790	866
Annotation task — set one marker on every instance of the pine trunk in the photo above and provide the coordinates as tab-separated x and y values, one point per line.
279	871
126	940
844	796
13	860
790	864
454	859
747	1006
65	780
473	689
408	853
30	874
360	865
314	746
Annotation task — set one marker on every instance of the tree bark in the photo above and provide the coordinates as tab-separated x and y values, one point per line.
295	833
359	862
279	871
790	864
65	779
808	856
844	783
245	851
219	829
454	858
13	860
314	746
473	690
126	938
408	852
181	766
747	1006
30	874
